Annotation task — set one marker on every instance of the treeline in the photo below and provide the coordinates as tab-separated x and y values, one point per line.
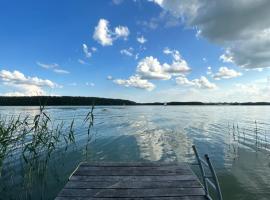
60	101
198	103
173	103
87	101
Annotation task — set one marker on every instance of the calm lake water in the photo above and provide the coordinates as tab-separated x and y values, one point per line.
239	147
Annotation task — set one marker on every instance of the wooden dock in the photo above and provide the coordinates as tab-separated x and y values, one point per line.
132	181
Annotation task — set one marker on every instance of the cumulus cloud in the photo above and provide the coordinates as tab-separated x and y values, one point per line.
29	86
201	82
105	36
241	27
102	34
135	81
54	67
226	73
178	66
150	68
141	39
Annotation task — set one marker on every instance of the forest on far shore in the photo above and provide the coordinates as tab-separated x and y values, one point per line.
89	101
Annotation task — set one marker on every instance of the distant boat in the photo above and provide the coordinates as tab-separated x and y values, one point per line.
165	104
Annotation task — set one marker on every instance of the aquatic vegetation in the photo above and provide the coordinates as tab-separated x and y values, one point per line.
33	141
257	138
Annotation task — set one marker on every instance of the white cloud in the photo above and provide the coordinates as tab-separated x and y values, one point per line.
242	27
175	54
54	67
109	77
47	66
87	53
90	84
105	36
226	57
17	94
61	71
141	39
178	66
150	68
121	31
127	52
82	62
202	82
209	70
29	86
135	81
226	73
249	92
102	33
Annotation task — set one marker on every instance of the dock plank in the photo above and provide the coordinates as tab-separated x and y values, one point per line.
165	181
134	178
131	172
119	193
132	184
139	198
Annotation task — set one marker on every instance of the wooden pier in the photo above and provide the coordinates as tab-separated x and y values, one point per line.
133	181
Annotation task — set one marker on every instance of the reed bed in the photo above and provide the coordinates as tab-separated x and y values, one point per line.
30	142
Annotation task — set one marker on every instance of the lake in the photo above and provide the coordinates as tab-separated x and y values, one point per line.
237	139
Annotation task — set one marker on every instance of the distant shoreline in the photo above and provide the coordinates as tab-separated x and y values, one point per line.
98	101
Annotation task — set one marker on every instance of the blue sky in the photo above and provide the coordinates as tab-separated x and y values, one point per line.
143	50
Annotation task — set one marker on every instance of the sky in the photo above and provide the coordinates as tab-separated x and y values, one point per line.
141	50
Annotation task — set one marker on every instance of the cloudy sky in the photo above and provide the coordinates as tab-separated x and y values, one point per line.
142	50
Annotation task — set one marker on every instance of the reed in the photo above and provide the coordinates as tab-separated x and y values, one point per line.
256	138
36	138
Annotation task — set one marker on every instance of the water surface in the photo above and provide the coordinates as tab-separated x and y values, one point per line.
238	146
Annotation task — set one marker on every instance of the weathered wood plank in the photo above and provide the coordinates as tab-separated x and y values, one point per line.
169	167
131	172
133	178
135	198
132	184
130	164
126	181
119	193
